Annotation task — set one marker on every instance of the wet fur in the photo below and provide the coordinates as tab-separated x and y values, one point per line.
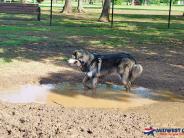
123	64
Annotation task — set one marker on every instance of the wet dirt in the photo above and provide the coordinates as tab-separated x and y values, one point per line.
73	95
69	111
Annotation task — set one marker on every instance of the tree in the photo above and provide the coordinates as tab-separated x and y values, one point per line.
145	2
80	7
104	17
67	7
22	1
39	1
118	2
133	2
90	1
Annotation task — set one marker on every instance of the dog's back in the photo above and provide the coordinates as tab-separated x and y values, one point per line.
114	56
122	63
113	59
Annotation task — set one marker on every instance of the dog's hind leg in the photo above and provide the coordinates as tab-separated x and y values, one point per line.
125	78
137	70
124	71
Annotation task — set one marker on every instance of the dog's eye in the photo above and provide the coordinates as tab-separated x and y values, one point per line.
82	62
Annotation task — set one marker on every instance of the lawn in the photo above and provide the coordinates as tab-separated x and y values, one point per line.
131	29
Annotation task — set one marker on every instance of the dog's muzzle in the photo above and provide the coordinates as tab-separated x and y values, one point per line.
77	63
74	62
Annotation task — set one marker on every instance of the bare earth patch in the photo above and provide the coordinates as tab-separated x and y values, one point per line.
34	120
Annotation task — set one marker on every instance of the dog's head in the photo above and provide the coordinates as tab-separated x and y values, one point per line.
79	58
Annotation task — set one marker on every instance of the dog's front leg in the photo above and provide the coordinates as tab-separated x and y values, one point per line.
94	84
84	81
99	64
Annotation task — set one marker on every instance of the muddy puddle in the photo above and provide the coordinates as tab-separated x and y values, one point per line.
73	95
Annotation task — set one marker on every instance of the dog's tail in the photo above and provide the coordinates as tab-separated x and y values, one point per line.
137	70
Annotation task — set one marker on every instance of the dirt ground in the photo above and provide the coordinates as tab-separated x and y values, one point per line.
34	120
163	70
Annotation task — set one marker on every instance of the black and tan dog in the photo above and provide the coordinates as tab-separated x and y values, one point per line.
97	65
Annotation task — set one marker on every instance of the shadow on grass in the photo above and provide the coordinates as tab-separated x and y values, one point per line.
38	41
154	17
136	8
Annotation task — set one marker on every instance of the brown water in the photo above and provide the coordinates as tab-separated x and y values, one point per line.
73	95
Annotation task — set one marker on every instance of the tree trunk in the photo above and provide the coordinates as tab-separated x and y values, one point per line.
145	2
104	17
67	7
102	3
80	7
22	1
90	1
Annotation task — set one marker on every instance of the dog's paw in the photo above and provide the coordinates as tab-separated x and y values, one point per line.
98	74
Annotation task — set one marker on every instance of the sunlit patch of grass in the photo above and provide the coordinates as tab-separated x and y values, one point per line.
13	40
17	29
95	42
130	30
2	61
1	50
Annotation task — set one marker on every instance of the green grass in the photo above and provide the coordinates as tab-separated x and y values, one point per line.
122	7
24	38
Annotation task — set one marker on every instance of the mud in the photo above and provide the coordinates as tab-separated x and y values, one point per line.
73	95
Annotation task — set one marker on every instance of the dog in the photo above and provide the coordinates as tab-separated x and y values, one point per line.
98	65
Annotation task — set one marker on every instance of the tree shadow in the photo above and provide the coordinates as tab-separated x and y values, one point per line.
42	42
147	16
134	8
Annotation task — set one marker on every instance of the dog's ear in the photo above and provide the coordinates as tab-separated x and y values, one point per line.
81	50
76	53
